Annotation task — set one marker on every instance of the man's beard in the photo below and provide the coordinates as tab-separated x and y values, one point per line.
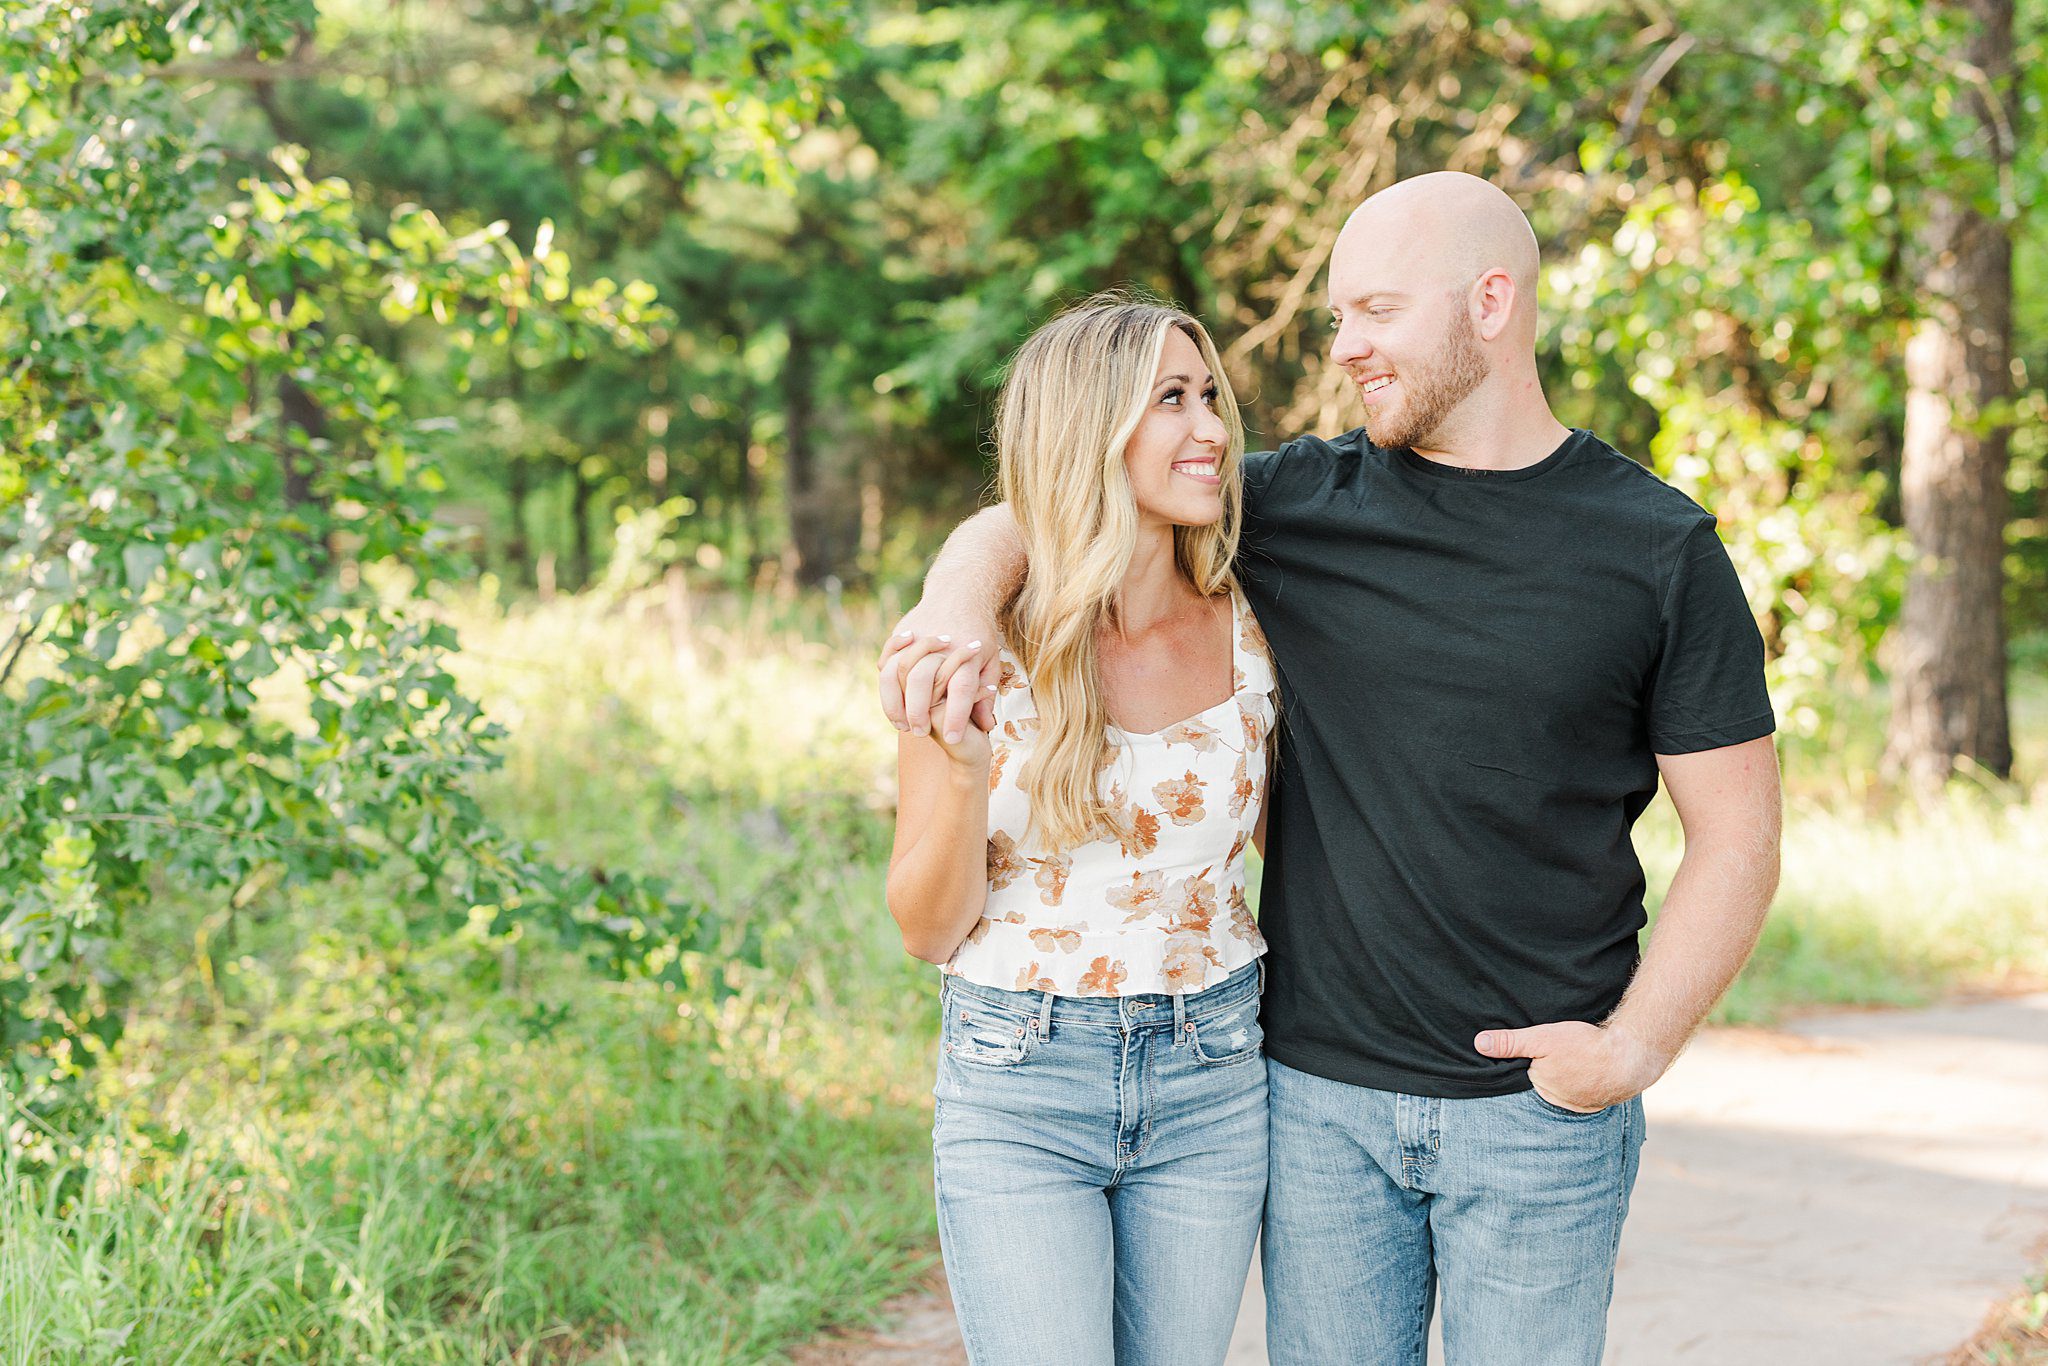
1431	390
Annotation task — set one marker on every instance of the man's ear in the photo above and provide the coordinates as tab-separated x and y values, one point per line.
1493	303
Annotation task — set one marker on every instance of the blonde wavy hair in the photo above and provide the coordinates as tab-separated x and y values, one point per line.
1075	392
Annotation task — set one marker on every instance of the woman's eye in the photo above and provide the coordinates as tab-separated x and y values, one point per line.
1173	396
1209	397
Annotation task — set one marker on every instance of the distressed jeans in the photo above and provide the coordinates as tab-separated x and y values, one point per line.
1507	1209
1100	1166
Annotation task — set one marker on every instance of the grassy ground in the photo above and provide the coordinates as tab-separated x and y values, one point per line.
335	1140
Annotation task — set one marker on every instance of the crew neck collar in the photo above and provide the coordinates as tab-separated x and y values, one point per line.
1436	469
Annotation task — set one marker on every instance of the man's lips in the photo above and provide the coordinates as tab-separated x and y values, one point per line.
1373	388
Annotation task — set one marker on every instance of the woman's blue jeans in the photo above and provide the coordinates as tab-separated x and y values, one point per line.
1100	1167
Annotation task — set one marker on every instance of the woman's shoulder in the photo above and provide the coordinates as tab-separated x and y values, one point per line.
1013	690
1251	656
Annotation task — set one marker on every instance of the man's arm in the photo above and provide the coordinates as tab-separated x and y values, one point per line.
1728	801
954	624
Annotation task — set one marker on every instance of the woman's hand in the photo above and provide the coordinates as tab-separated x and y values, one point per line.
932	679
971	754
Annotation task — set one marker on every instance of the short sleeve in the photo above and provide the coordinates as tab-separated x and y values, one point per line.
1708	689
1259	467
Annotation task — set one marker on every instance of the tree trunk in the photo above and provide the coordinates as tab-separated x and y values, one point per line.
302	413
1949	672
518	488
809	536
579	515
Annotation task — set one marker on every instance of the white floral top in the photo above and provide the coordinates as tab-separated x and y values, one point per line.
1158	906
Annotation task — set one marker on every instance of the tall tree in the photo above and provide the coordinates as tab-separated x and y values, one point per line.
1949	681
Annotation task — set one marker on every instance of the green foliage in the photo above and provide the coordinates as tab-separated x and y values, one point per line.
205	469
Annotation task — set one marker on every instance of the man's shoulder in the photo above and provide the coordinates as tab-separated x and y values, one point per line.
1308	457
1635	490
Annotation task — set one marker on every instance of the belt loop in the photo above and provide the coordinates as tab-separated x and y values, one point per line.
1045	1018
1180	1017
1262	974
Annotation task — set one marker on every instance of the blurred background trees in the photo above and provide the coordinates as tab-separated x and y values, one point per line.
1781	258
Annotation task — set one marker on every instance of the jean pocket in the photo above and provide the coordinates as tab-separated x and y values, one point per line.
1552	1108
1229	1036
983	1035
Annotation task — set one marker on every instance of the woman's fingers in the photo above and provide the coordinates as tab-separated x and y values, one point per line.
962	689
918	682
897	655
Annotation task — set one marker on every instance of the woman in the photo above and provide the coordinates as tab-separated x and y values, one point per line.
1078	871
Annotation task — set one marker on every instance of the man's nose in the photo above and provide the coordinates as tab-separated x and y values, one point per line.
1349	346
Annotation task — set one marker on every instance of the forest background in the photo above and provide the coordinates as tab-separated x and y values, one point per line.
458	460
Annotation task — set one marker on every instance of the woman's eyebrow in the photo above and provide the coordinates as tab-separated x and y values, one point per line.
1182	379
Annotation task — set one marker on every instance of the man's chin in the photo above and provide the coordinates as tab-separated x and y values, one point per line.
1386	435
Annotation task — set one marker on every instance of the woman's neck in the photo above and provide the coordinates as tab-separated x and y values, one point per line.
1153	591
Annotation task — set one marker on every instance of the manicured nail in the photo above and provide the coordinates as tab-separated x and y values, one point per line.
988	687
974	645
901	635
945	640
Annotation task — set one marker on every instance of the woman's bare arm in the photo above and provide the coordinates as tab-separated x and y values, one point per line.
938	866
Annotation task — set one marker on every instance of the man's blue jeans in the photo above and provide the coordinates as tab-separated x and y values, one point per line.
1507	1207
1100	1168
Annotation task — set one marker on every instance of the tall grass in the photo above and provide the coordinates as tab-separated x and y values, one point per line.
330	1138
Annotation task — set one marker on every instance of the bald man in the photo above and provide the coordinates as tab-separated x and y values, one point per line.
1494	636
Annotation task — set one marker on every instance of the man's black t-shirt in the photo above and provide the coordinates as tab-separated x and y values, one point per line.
1478	669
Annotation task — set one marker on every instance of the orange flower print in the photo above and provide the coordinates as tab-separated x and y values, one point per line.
980	930
1135	828
1012	678
1019	728
1191	904
1254	724
1066	938
1142	835
1237	678
1029	980
1103	977
1237	846
1199	734
1241	787
1186	961
1241	923
998	756
1254	638
1140	897
1052	878
1004	867
1181	798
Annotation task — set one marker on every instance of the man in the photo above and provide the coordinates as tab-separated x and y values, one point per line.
1494	635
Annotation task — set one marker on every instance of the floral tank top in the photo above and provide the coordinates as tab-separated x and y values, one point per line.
1158	906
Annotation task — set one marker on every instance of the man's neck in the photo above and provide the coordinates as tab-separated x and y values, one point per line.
1511	431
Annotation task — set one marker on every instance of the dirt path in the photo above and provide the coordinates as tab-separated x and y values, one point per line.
1853	1190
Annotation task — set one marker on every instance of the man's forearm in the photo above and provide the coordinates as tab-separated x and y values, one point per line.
1709	923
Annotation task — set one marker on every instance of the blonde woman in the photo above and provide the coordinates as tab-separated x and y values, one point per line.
1074	861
